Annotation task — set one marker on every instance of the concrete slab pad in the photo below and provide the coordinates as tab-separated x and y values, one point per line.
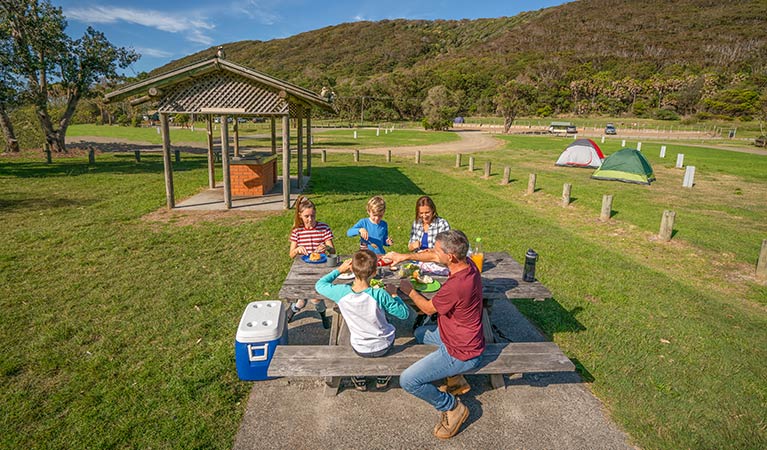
535	411
213	199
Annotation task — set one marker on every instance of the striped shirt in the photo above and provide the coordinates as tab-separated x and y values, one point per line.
310	238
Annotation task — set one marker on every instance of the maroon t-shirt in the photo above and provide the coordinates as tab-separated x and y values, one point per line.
459	304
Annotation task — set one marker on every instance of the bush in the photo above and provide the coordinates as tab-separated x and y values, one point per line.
666	114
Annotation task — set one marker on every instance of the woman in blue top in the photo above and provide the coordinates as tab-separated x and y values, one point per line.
373	230
427	225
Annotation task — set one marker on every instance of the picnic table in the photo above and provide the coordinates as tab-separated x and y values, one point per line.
501	279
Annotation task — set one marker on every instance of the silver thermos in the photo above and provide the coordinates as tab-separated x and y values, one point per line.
529	272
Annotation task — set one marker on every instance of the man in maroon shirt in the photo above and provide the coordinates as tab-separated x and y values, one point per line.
458	332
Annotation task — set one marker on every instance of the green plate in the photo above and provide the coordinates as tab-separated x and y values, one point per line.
422	287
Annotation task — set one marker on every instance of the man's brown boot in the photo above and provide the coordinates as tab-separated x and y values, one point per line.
456	385
450	421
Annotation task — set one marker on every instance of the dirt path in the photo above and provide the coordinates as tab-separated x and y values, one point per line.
470	141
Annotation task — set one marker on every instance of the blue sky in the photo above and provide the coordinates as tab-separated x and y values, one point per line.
166	30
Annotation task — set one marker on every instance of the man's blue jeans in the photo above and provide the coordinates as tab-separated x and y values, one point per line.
417	378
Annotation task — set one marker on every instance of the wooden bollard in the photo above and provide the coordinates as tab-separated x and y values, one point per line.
607	208
471	164
566	194
666	225
47	150
506	175
388	156
662	151
689	177
487	169
137	154
418	157
457	160
761	264
679	160
531	184
356	155
324	156
177	154
91	155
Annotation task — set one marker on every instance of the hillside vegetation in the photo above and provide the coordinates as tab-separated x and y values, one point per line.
654	58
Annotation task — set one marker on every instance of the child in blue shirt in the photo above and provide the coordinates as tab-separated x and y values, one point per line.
373	231
363	307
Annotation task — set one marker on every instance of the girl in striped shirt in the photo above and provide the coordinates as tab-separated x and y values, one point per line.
309	236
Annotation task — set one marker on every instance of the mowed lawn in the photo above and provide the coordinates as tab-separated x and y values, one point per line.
118	325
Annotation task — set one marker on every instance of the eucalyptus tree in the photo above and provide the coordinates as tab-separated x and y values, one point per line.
9	91
47	58
513	99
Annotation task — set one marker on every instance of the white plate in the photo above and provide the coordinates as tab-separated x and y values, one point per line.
346	276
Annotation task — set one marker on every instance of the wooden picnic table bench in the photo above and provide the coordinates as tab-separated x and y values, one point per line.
501	279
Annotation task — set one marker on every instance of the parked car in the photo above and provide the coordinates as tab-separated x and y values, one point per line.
572	129
610	129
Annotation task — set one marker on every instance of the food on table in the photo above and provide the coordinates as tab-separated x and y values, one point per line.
376	283
314	256
418	277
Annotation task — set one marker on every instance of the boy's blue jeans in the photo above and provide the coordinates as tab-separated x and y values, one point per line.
417	378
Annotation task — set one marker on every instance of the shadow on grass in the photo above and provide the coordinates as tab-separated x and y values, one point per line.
117	164
361	179
550	317
39	203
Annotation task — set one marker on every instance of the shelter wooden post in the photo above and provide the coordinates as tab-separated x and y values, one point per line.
285	162
225	163
566	194
531	184
309	143
300	152
607	208
274	135
761	264
667	225
211	157
236	129
168	169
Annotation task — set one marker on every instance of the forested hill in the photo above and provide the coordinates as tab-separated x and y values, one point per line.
704	57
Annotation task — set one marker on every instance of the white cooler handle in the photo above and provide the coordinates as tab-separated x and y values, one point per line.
263	357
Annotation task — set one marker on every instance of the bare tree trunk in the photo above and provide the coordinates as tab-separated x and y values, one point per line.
507	121
11	144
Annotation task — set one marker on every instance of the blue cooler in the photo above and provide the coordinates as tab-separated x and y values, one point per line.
261	329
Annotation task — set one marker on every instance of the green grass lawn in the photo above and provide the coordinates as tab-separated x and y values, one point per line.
118	330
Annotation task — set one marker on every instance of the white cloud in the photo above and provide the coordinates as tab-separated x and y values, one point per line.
254	10
358	18
193	28
153	52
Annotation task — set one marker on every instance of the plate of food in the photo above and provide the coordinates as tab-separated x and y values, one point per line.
314	258
346	276
376	283
424	283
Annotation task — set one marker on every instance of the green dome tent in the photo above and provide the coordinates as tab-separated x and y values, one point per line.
628	165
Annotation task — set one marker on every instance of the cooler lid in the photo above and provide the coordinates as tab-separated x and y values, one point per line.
262	321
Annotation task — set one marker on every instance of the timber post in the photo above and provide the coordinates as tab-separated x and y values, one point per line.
667	225
566	194
607	208
531	184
